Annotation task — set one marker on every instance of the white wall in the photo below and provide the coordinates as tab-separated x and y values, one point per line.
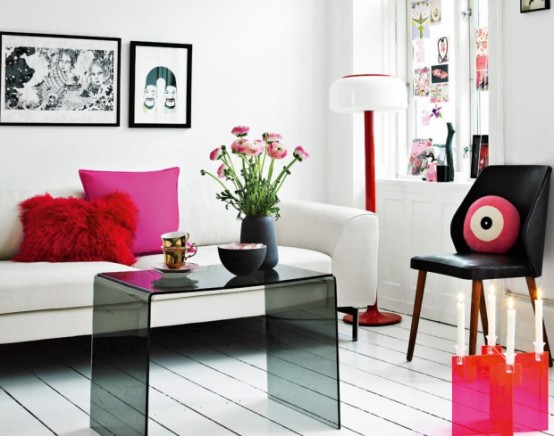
528	44
339	42
358	35
255	62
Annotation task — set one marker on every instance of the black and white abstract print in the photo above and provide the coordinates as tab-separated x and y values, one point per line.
58	79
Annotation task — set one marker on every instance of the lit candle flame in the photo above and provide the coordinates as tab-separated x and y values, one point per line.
510	303
539	294
461	297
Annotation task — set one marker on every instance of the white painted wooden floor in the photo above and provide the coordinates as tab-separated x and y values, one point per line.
204	382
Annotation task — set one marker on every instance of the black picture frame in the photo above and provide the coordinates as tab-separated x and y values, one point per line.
160	85
533	5
59	80
479	154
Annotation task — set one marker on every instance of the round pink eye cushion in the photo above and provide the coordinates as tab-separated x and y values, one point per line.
491	225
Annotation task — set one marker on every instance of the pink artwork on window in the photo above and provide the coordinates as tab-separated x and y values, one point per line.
439	93
442	48
419	51
417	162
482	41
482	72
482	60
422	81
483	157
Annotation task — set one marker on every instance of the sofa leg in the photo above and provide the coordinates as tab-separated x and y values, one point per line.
353	311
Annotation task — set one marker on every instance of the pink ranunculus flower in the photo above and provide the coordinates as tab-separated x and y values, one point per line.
239	145
276	150
251	182
240	131
254	148
273	137
222	171
300	154
216	154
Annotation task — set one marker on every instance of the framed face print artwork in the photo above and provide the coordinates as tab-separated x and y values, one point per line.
160	85
533	5
59	80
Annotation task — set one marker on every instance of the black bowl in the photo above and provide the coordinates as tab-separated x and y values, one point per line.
242	259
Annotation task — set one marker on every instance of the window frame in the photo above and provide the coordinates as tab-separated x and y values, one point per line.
465	121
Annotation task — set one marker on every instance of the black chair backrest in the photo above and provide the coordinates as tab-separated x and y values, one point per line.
527	188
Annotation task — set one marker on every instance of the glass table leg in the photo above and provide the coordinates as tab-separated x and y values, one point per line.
302	348
120	360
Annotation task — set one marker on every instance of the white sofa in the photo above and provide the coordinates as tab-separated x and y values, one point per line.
44	300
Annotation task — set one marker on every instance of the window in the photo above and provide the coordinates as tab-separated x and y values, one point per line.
447	72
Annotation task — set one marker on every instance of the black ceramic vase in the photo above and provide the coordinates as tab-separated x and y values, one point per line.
261	229
448	151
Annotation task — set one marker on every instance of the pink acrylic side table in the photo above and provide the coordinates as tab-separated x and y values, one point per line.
490	397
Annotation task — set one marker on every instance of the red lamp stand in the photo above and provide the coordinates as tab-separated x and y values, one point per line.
372	316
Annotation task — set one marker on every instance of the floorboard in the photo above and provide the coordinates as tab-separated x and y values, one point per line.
210	379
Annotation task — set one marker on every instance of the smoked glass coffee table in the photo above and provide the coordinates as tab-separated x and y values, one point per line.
300	318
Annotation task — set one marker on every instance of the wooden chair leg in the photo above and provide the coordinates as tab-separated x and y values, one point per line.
484	316
532	286
476	291
422	275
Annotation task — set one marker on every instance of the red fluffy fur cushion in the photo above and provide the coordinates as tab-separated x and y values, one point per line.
75	230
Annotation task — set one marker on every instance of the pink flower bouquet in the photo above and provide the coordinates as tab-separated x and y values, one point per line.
254	187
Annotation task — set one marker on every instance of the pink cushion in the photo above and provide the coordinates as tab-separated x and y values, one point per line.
154	192
491	225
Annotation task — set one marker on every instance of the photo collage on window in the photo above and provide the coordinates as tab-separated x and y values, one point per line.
432	66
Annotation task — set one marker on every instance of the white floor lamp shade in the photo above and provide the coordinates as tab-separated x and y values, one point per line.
367	92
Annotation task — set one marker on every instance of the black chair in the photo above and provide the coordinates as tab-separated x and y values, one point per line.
526	187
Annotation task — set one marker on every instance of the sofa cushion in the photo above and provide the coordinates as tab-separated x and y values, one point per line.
26	287
75	230
11	230
155	194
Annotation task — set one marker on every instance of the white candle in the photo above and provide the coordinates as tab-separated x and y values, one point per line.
538	320
491	311
461	310
511	333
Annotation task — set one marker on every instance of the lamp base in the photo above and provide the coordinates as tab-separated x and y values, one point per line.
374	317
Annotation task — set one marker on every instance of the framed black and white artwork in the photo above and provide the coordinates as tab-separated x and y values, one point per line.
160	85
59	80
533	5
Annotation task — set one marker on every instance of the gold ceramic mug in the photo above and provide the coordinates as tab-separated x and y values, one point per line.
175	239
176	257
